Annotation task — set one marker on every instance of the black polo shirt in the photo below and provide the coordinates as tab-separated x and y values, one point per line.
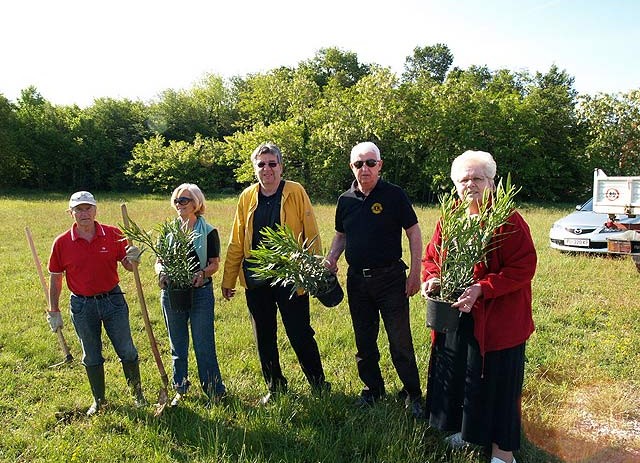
373	224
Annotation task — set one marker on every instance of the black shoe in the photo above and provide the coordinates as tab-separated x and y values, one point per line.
403	394
415	407
366	400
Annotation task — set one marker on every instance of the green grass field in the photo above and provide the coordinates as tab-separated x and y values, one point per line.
580	402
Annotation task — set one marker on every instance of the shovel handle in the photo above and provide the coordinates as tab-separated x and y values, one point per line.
143	308
61	341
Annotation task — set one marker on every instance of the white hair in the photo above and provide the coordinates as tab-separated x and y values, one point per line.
473	157
364	147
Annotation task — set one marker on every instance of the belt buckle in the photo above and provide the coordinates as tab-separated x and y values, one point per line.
366	273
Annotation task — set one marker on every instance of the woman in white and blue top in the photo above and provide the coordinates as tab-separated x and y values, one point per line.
189	203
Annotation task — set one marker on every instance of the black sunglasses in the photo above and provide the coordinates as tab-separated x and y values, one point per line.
182	200
271	164
368	162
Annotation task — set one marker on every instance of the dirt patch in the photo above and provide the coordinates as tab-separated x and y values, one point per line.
598	423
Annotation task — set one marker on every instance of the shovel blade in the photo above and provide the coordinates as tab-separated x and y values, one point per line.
67	359
163	399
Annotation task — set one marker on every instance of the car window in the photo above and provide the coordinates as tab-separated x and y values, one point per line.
587	207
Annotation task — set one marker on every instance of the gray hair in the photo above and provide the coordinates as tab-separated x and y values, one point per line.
267	148
365	147
196	194
474	157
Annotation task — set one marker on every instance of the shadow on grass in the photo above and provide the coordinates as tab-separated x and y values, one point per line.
304	428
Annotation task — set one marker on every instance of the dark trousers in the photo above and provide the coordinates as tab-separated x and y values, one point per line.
371	297
263	303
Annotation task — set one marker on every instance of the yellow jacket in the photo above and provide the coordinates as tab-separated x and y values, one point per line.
295	211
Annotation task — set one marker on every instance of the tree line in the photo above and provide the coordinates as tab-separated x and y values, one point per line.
537	126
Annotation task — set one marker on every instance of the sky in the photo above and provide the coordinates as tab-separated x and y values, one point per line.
74	51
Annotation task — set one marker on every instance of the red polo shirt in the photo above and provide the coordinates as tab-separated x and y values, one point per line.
90	267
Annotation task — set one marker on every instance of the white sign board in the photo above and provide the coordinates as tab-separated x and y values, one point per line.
616	195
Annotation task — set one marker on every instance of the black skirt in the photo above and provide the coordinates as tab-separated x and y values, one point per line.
479	397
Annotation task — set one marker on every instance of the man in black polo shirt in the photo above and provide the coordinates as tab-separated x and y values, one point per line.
370	217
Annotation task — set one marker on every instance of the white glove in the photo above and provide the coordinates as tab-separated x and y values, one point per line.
133	253
55	320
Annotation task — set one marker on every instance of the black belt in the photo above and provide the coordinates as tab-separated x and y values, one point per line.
114	291
375	271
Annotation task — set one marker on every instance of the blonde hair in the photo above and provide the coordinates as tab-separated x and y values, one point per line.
196	194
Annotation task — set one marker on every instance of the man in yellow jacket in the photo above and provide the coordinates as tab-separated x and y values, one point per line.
269	202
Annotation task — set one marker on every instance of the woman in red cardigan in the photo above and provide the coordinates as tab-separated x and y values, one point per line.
474	384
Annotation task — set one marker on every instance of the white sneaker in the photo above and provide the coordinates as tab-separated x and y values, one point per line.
176	400
455	441
498	460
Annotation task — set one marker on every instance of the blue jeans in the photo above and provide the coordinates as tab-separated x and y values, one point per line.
89	315
200	317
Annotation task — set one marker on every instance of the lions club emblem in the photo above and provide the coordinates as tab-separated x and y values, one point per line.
376	208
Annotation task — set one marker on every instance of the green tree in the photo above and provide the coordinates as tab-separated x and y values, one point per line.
109	130
13	165
207	109
554	152
161	166
46	140
432	61
613	126
334	64
264	99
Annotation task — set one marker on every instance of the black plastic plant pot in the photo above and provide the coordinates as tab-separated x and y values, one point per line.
180	299
333	296
441	317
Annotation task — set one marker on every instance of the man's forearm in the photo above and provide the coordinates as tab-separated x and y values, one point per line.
415	247
337	246
55	288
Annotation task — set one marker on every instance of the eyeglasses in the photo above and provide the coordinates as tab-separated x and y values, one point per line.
271	164
80	210
182	200
474	180
368	162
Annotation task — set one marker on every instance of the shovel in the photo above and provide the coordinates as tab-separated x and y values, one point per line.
163	396
68	358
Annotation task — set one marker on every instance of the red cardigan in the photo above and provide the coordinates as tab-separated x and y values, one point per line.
502	315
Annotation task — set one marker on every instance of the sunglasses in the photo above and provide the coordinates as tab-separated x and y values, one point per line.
368	162
271	164
182	200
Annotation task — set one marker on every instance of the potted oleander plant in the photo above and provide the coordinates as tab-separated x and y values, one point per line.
465	241
172	243
284	259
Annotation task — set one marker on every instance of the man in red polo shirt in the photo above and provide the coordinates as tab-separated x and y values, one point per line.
88	255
